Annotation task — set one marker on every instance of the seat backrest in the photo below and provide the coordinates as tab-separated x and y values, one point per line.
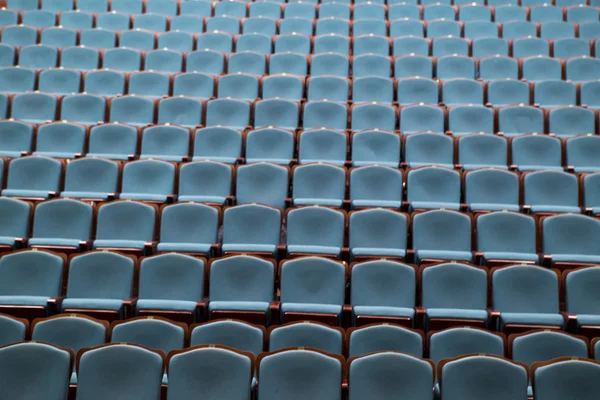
132	109
378	229
119	370
433	184
205	178
481	149
368	289
235	334
14	218
126	220
262	183
471	377
270	145
315	375
319	181
506	232
581	294
35	370
422	117
218	143
63	219
92	175
73	332
545	346
525	289
570	234
251	224
376	183
325	145
453	285
429	148
34	173
101	275
312	280
580	153
539	188
455	342
149	177
165	142
156	334
31	273
13	329
492	186
566	377
210	371
516	120
189	223
397	375
315	226
172	276
306	334
442	230
384	337
242	278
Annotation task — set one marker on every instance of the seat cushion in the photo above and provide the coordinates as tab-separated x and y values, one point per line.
422	164
555	209
85	195
225	160
588	319
321	202
314	249
494	207
93	304
238	306
25	193
203	199
311	308
24	300
416	205
121	244
54	242
376	203
7	240
457	313
168	305
477	166
143	196
530	319
259	248
500	255
111	156
575	258
384	311
444	255
370	251
184	247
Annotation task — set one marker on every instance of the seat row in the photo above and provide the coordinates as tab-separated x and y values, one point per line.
200	7
137	372
333	18
405	36
515	237
452	92
159	334
278	146
37	108
411	55
157	20
73	331
185	288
